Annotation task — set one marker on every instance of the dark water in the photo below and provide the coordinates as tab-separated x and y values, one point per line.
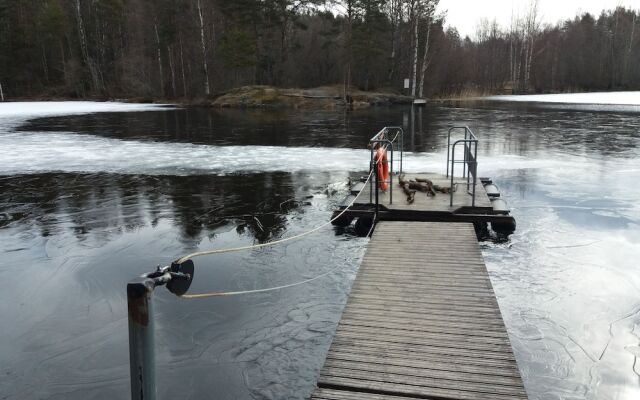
89	201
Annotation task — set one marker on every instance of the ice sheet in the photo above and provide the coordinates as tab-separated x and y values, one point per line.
610	98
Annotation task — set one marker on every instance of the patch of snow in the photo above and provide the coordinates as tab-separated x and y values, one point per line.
16	113
38	152
608	98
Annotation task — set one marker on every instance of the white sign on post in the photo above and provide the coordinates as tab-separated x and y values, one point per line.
406	83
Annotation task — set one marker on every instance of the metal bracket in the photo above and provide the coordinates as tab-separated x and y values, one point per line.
177	278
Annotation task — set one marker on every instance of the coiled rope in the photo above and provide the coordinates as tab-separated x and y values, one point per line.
256	246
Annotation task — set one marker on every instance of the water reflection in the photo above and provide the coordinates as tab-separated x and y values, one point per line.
277	127
99	203
567	281
72	241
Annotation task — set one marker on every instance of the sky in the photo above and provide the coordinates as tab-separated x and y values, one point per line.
465	14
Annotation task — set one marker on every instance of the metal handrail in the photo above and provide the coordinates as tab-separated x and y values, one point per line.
383	137
374	164
398	137
469	163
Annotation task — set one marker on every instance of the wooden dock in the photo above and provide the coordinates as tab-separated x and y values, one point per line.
462	201
393	205
421	322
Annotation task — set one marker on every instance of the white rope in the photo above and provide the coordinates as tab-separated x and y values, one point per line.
270	289
257	246
233	249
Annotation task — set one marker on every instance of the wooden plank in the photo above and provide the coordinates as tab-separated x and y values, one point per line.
423	304
435	348
473	303
421	321
422	383
424	295
434	360
427	340
442	371
406	281
433	318
425	310
416	392
426	328
331	394
383	291
432	323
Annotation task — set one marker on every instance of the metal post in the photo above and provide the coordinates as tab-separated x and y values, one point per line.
371	167
475	173
377	187
453	157
448	149
401	148
464	163
142	362
391	176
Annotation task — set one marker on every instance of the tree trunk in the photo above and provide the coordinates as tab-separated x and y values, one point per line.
425	61
155	27
531	31
527	78
184	79
627	64
394	18
64	62
172	67
45	66
523	64
414	65
347	82
207	89
83	47
1	93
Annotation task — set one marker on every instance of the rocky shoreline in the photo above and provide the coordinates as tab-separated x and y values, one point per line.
261	96
322	97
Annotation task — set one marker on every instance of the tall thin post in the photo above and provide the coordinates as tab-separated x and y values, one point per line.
453	158
377	185
401	147
391	177
141	339
142	360
1	93
371	170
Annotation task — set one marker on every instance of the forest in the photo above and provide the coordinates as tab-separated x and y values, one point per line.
186	49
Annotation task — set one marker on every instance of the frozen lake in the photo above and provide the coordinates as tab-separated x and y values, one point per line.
93	194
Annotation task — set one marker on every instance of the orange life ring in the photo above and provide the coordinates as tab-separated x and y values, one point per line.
383	168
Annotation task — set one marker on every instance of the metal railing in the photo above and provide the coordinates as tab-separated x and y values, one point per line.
469	162
387	139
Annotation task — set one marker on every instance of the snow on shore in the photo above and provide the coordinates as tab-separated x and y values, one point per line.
609	98
15	113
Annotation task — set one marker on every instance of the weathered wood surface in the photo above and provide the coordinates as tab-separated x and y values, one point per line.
422	202
422	322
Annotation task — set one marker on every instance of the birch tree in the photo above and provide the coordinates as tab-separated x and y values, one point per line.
414	11
88	60
394	11
203	43
159	55
428	13
532	26
421	11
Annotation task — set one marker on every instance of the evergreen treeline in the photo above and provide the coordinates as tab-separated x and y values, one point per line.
195	48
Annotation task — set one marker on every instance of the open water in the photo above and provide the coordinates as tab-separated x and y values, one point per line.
89	201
